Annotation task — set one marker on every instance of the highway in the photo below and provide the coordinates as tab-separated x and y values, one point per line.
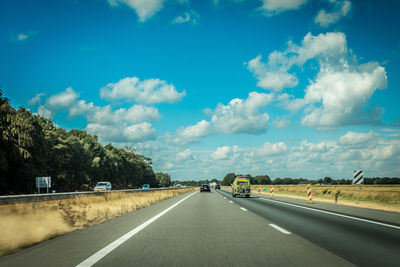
214	229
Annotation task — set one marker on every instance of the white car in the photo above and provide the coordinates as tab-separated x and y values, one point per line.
102	187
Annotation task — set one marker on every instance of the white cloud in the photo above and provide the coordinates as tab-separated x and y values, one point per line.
274	7
36	100
340	92
187	154
339	9
187	17
150	91
121	133
344	96
378	156
242	116
54	103
353	138
191	134
239	116
222	153
269	149
145	9
271	77
96	114
281	123
120	125
22	36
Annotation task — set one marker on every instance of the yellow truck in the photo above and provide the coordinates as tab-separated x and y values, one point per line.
241	187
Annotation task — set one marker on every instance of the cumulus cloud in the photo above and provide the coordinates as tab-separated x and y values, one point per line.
191	17
120	133
145	9
242	116
191	134
150	91
222	153
238	116
344	96
54	103
353	138
271	77
269	149
340	93
105	114
187	154
36	100
338	9
120	125
274	7
379	155
281	123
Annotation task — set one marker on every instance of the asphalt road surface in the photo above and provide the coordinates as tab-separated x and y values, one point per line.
214	229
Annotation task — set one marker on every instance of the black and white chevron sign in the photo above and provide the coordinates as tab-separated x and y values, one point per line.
358	177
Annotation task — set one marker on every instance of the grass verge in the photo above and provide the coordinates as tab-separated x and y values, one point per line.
25	224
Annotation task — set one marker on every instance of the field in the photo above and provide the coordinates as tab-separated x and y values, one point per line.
383	197
25	224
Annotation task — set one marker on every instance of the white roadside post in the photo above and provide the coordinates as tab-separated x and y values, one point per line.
358	178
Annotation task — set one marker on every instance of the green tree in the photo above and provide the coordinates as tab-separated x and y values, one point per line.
228	179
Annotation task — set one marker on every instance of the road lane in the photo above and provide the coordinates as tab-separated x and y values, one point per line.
73	248
360	242
207	230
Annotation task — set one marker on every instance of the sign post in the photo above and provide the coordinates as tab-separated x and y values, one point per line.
358	178
43	182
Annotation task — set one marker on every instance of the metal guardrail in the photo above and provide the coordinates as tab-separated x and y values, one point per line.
56	196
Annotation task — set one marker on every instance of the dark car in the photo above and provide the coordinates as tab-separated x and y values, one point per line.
205	187
217	186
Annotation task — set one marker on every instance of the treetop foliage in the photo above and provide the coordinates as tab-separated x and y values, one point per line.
32	146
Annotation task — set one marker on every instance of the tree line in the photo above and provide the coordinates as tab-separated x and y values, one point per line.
33	146
265	180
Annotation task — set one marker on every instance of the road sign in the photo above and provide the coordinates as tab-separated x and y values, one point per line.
358	177
43	182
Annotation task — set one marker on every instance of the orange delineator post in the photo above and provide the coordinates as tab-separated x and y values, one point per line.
309	196
271	194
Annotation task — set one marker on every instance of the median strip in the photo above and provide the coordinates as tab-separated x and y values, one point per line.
106	250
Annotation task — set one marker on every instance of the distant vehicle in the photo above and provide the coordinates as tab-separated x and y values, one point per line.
217	186
205	187
146	186
178	185
241	187
102	187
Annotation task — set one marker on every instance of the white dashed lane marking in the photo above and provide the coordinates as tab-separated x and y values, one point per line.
280	229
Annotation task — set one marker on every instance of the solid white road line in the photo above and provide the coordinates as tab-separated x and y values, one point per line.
335	214
103	252
243	209
230	201
280	229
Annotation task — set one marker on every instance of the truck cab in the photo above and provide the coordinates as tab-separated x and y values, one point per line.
241	187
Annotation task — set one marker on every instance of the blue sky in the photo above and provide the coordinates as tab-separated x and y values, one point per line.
296	88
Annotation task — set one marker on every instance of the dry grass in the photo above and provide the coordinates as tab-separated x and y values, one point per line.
25	224
383	197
